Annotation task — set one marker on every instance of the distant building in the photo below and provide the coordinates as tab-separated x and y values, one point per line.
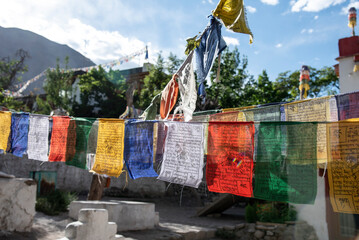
348	68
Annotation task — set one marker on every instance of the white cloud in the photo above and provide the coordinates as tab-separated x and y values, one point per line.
351	4
251	9
279	45
316	17
55	20
270	2
313	5
211	1
310	30
231	41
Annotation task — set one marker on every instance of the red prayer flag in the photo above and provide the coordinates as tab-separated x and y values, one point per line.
230	157
169	97
62	143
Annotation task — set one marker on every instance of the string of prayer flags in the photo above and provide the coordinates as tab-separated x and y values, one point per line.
59	139
211	45
169	97
110	143
187	89
317	109
233	15
348	105
286	162
230	157
343	167
38	138
83	128
138	153
224	117
5	128
262	114
207	112
183	157
19	133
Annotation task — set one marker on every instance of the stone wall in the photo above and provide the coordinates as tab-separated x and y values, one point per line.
268	231
71	178
17	204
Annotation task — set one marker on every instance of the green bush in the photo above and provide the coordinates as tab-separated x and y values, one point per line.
275	212
55	202
250	213
223	234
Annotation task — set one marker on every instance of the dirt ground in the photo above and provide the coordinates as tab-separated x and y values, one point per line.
170	212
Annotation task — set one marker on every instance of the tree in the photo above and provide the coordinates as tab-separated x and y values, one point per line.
58	89
9	74
153	84
11	68
99	96
234	79
322	82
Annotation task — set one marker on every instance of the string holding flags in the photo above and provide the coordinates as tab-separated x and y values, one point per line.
23	86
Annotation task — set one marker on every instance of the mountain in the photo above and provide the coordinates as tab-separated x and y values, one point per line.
43	54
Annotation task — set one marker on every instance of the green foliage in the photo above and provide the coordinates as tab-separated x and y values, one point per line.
153	84
238	88
102	94
275	212
58	89
11	68
11	103
55	202
234	78
224	234
250	213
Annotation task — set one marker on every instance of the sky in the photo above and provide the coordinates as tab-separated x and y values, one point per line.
287	34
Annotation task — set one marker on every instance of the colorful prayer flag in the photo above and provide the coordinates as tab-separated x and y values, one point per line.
211	45
110	143
19	133
343	167
60	143
286	162
38	138
5	128
183	157
83	127
138	152
230	157
233	15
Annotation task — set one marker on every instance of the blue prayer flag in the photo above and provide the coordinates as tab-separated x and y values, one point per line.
138	153
212	44
19	132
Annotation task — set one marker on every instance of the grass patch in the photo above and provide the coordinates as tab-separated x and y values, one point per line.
54	202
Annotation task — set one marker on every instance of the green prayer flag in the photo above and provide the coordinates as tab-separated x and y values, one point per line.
286	162
83	127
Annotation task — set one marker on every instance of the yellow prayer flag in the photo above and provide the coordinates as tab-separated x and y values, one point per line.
343	169
110	144
5	128
312	110
233	15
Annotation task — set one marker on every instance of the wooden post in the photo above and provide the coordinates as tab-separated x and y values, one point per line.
97	185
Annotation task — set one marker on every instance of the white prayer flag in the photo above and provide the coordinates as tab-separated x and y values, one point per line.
38	138
187	89
183	156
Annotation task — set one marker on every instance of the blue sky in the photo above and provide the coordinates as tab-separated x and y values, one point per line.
287	34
